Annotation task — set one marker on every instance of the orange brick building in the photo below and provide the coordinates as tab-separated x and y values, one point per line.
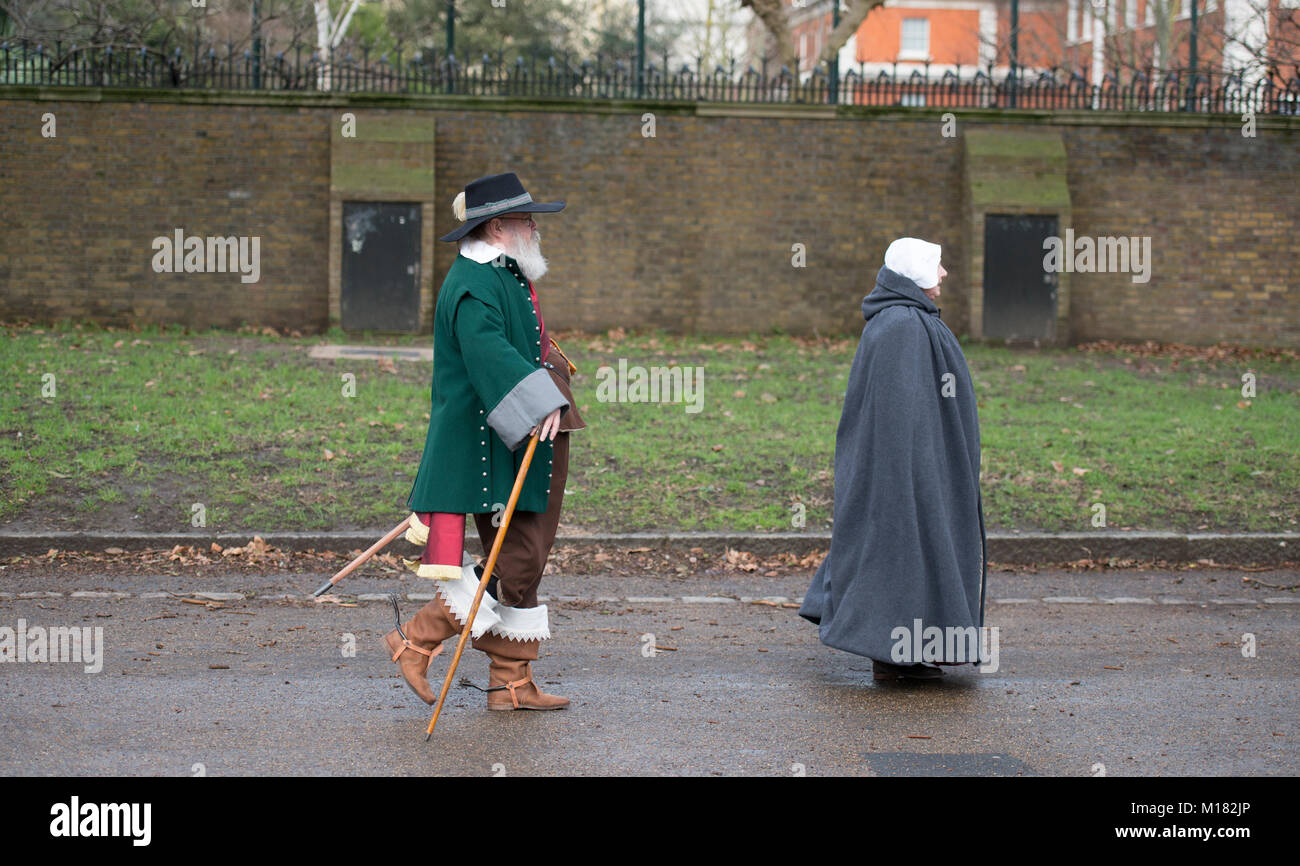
1082	36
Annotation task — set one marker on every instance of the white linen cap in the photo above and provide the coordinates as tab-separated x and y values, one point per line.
915	259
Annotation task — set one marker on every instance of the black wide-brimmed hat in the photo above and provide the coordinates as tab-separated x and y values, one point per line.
493	196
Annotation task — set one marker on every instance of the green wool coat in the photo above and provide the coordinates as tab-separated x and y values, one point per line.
489	390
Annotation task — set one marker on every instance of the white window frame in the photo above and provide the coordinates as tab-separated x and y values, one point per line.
1072	22
1085	28
905	53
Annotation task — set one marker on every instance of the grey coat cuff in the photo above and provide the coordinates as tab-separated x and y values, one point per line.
524	407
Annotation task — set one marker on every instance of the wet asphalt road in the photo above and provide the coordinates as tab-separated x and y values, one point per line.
1139	673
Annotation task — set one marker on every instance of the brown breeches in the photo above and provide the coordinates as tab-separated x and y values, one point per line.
528	542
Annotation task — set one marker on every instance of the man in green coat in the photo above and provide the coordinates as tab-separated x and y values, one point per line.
497	378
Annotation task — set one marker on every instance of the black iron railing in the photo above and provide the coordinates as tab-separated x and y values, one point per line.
23	62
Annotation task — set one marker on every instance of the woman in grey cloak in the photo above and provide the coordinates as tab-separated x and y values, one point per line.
904	581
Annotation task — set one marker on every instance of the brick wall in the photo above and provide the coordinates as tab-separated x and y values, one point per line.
691	230
1222	212
82	209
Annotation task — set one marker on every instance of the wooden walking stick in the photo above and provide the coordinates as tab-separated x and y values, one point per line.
483	582
356	563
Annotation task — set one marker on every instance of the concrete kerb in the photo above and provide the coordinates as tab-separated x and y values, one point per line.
1015	548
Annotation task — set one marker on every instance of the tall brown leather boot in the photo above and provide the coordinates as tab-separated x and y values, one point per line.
414	645
510	675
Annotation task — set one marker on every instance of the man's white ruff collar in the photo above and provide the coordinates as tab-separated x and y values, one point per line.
479	250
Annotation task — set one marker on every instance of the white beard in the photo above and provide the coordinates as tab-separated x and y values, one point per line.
528	252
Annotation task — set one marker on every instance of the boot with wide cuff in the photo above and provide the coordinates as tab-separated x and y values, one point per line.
414	645
510	676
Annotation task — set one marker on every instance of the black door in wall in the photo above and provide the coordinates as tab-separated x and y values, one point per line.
381	267
1019	293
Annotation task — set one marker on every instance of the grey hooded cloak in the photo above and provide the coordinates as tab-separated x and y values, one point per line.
908	539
